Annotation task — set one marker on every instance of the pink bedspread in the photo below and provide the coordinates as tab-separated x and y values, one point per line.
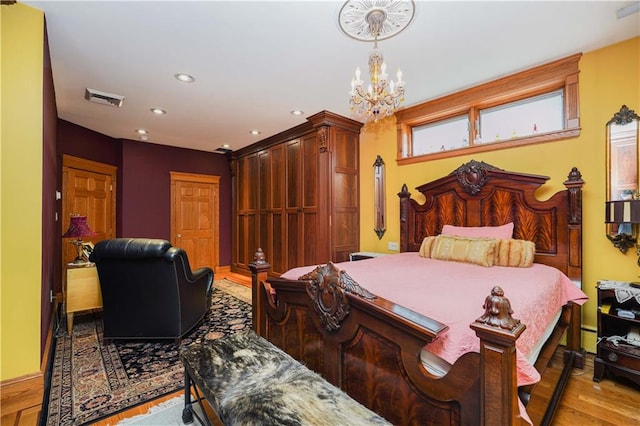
425	285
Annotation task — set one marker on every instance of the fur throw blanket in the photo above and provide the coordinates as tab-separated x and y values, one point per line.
249	381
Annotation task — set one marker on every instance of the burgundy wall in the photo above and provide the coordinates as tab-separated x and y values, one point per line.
143	195
51	243
146	189
84	143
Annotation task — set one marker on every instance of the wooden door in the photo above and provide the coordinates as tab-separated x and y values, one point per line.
195	217
88	189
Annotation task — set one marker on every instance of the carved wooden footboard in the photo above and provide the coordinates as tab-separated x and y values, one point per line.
370	347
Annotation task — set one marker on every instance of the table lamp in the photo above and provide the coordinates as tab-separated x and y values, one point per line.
626	213
78	228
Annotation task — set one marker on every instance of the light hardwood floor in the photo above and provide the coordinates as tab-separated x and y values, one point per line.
584	402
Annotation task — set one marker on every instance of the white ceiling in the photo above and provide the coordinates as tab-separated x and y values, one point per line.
255	61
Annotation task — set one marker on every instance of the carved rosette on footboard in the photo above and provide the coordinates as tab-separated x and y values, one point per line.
328	287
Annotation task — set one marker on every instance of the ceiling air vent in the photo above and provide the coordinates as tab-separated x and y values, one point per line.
103	98
222	150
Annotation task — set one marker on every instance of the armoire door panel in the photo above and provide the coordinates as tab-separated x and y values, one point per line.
252	178
309	194
264	179
311	239
252	238
241	251
264	235
243	187
344	220
293	181
345	151
294	257
277	182
278	256
347	193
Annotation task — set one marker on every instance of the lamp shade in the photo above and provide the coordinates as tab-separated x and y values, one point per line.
78	227
622	211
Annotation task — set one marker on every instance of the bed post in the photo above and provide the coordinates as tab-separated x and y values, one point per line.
574	185
498	332
405	196
259	268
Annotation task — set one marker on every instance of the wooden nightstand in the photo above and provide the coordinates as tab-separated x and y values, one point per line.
618	326
82	291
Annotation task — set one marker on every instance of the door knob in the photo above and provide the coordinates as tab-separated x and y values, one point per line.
179	235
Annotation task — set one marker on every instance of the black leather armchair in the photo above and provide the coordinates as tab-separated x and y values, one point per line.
149	290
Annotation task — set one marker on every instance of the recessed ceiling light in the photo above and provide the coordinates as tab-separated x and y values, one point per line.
158	111
297	112
185	78
142	132
255	132
226	146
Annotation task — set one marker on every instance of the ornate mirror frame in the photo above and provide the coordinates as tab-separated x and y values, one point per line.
379	204
623	170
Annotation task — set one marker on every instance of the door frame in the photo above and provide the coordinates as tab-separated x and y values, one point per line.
71	162
215	212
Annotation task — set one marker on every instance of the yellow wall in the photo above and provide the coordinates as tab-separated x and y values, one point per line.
609	78
21	54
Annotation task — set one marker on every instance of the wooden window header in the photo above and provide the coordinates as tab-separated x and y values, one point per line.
560	74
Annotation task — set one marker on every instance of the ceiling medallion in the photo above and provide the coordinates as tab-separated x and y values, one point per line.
354	15
372	21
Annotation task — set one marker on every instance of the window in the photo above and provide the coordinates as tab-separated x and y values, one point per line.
538	114
533	106
441	135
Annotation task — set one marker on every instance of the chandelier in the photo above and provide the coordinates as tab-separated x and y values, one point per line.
367	20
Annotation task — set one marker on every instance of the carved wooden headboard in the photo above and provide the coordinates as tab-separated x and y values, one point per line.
479	194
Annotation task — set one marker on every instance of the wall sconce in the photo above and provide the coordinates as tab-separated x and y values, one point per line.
625	213
379	205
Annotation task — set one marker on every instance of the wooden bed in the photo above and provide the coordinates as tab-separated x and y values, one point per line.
370	347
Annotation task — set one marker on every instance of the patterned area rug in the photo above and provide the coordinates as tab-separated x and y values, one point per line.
90	381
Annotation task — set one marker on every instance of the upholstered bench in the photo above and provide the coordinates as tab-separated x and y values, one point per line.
249	381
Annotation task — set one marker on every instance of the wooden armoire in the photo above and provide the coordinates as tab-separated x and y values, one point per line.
296	195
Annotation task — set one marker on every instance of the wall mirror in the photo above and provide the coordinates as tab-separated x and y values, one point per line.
379	197
623	199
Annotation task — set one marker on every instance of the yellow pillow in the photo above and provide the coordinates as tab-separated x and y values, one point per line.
517	253
426	246
480	251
